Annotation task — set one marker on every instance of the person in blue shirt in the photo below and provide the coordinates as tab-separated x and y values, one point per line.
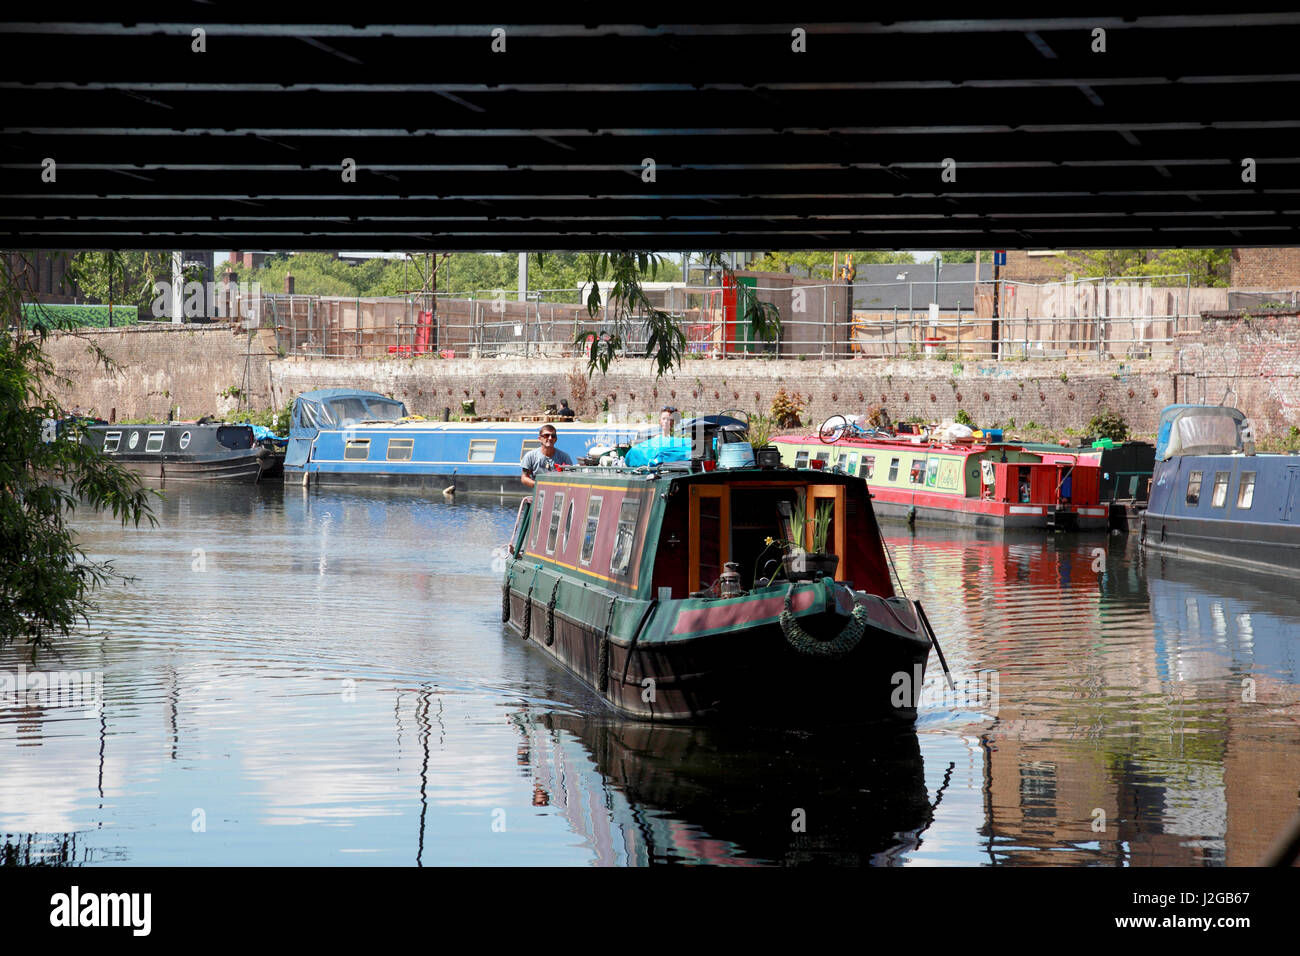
663	447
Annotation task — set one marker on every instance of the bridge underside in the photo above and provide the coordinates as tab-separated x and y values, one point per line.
1045	132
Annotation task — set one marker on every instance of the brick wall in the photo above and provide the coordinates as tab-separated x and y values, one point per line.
1251	362
163	366
991	393
1266	269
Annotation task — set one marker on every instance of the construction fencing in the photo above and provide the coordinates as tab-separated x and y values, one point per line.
1097	318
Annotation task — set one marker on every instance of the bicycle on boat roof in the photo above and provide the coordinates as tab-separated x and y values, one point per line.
837	426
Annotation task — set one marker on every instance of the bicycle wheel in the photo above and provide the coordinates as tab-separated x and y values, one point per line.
832	429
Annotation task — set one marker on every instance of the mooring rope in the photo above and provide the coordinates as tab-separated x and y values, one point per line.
805	643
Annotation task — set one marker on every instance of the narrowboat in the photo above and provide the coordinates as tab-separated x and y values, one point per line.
188	451
1125	474
665	590
1213	499
351	437
995	485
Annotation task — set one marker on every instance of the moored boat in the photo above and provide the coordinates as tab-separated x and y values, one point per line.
996	485
1213	499
354	437
188	451
665	590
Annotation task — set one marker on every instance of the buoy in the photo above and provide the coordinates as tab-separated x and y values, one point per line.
450	491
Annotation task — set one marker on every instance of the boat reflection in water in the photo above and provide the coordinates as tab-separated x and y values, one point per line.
640	793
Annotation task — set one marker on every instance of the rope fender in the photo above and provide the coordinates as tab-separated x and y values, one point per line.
805	643
528	609
602	680
505	598
550	614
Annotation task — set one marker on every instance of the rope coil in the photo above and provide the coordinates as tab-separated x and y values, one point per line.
805	643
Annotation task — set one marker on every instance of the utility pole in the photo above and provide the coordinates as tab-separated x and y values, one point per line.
523	277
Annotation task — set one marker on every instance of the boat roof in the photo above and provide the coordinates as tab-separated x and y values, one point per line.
679	471
1198	430
900	443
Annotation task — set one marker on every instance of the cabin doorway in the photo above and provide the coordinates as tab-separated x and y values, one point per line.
709	534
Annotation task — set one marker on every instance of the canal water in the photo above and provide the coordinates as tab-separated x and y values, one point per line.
305	677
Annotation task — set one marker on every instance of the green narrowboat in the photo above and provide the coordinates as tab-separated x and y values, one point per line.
665	590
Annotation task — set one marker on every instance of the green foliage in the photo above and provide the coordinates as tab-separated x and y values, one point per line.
46	580
1207	267
962	418
122	278
815	264
1107	424
785	410
760	429
277	421
822	524
79	316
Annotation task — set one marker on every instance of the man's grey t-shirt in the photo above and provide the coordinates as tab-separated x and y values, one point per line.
534	461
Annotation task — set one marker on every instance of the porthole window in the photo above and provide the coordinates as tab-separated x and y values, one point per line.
133	440
185	440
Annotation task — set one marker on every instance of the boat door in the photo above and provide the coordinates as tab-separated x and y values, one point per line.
1289	491
516	544
709	534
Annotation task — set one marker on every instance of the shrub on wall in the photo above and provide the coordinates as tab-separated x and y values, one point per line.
1107	424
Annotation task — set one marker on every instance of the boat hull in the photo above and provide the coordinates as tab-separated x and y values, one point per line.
748	674
967	513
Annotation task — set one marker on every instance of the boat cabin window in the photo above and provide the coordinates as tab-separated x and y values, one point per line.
1246	493
307	411
1194	488
589	532
111	441
917	476
624	536
235	436
568	526
893	469
155	442
841	461
528	445
482	449
556	506
868	467
1221	480
537	516
823	456
852	467
401	449
185	440
932	472
366	409
801	459
357	449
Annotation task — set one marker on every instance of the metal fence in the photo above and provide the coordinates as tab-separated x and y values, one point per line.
1007	320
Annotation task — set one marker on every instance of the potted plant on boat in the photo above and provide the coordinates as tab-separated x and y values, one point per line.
760	431
798	563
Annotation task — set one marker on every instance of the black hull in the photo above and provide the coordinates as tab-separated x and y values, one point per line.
752	676
1259	546
243	468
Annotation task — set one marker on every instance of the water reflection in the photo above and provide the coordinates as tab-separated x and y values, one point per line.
322	677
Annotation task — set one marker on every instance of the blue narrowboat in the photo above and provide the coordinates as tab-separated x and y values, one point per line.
346	436
1212	498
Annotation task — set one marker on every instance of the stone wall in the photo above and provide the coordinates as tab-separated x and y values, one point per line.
1250	360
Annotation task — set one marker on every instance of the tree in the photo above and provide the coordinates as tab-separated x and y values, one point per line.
120	278
46	580
816	264
1207	267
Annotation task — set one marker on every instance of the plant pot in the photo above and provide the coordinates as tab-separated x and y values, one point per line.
810	565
